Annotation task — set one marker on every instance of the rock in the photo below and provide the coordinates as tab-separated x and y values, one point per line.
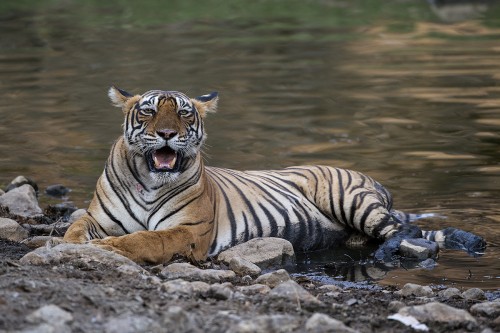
221	291
57	190
181	288
130	323
266	323
255	289
474	294
267	253
20	181
49	314
189	272
76	215
80	255
436	312
427	264
11	230
21	201
412	289
487	309
450	293
273	279
177	320
60	212
418	248
292	293
396	305
244	267
322	323
37	241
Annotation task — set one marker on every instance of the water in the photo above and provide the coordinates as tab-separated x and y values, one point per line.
387	88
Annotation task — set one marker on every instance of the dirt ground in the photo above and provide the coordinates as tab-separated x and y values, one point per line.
94	294
99	299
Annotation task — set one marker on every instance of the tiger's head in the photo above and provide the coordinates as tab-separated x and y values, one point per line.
165	127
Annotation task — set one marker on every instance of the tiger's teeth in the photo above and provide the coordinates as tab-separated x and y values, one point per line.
172	163
157	163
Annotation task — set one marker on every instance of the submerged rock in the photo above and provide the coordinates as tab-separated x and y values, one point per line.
57	190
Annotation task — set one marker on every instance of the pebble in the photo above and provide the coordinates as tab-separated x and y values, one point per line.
450	293
273	279
189	272
268	253
254	289
130	323
487	309
412	289
21	201
436	312
396	305
11	230
267	323
418	248
177	320
319	323
222	291
293	293
49	314
244	267
474	294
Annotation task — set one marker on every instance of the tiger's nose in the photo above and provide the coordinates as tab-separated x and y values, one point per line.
167	134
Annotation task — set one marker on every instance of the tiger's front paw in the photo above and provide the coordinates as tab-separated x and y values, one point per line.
110	244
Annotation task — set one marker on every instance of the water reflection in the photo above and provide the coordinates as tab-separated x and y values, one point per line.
381	88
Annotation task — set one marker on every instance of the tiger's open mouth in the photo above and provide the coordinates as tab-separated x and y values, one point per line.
164	160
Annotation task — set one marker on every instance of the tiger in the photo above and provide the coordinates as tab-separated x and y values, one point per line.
156	199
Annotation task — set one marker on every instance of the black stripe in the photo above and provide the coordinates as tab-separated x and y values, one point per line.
173	212
108	213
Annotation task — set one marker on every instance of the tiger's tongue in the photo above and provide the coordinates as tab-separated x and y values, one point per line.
164	158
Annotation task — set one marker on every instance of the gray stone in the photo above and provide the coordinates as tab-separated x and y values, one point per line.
221	291
11	230
450	293
474	294
267	323
322	323
396	305
21	201
418	248
255	289
244	267
177	320
291	292
436	312
130	323
49	314
487	309
20	181
179	288
427	264
80	255
189	272
76	215
273	279
267	253
37	241
47	328
412	289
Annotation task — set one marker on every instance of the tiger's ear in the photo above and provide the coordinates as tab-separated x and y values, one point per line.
118	97
206	103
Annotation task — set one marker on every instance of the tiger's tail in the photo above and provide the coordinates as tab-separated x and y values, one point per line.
448	238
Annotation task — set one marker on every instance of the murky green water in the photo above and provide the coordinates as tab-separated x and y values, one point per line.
388	88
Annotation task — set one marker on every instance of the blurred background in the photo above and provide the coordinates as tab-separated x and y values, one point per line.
407	91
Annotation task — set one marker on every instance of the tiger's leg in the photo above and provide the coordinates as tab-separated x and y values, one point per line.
155	247
83	230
